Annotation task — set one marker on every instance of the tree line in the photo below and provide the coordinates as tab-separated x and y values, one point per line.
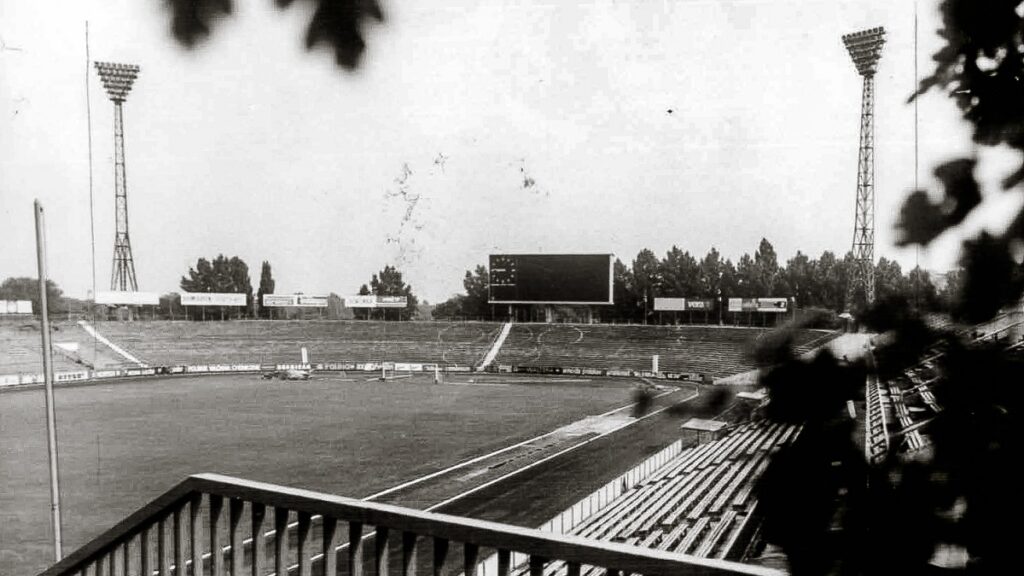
812	282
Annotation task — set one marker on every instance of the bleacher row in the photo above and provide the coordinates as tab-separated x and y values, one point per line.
697	503
876	442
714	351
21	350
901	401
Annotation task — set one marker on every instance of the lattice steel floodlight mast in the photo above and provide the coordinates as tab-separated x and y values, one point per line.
865	48
117	80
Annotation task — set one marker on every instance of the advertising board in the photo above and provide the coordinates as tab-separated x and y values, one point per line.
278	300
311	300
670	304
361	301
125	298
372	301
776	305
212	299
392	302
15	306
699	305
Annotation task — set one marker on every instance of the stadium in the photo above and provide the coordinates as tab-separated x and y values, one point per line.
572	410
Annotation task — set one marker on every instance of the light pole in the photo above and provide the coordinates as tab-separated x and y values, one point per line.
865	49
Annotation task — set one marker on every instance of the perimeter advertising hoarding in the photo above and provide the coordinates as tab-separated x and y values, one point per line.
777	305
212	299
118	298
15	306
311	301
392	301
699	305
367	301
278	300
771	305
670	304
580	279
371	301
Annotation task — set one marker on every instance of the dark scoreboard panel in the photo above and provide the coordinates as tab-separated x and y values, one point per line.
551	278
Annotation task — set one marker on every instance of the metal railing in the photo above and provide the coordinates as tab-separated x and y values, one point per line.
174	535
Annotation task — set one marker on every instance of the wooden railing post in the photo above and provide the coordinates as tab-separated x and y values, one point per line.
381	551
161	547
180	539
237	537
303	536
281	541
195	528
330	540
408	554
145	554
259	552
537	565
355	548
504	562
127	556
470	557
216	504
440	555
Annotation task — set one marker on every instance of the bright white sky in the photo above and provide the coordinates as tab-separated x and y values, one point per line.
251	146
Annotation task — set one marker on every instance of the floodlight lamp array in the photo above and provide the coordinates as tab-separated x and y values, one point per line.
865	48
117	78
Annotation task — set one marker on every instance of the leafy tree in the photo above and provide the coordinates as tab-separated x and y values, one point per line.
228	275
388	282
921	290
645	280
730	279
476	284
798	274
766	268
23	288
709	275
889	279
678	274
337	23
748	278
626	300
450	308
951	290
266	287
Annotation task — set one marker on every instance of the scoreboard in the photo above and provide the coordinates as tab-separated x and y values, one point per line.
551	279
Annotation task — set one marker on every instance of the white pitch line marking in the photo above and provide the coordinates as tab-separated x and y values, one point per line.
344	546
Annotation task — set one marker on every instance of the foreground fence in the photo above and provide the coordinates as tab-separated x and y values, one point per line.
199	527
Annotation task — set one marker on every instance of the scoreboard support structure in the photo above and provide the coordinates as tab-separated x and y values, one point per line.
551	287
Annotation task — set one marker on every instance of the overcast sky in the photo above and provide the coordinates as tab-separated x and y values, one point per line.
640	123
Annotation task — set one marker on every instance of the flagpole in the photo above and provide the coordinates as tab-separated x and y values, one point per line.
51	417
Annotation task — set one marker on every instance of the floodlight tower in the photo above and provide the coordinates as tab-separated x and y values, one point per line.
865	48
117	80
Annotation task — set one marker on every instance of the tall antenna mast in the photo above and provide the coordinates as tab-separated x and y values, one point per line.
118	79
865	49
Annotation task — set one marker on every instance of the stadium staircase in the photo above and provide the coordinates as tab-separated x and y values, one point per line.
496	347
201	525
